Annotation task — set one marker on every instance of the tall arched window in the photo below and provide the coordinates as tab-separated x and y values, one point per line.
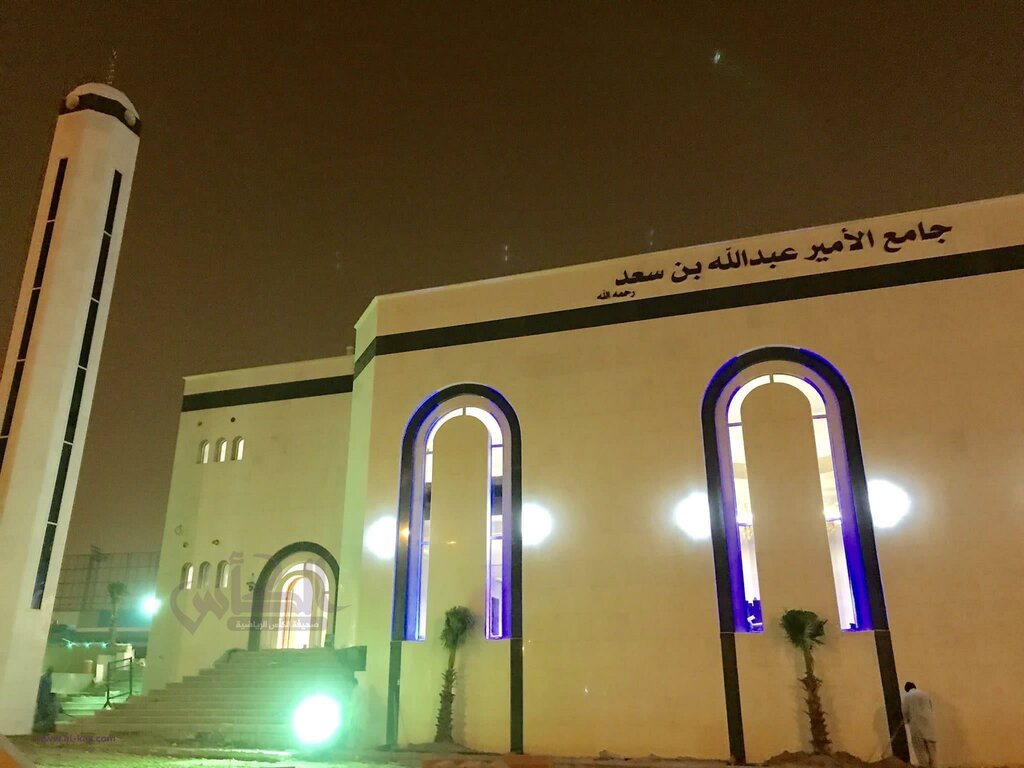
223	574
238	449
846	512
834	485
504	538
738	513
204	575
186	576
204	452
221	453
497	604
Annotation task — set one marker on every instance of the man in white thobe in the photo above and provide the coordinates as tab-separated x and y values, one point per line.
917	714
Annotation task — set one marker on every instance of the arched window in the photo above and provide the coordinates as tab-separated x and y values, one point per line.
186	576
838	505
223	574
503	575
222	450
204	452
496	623
831	491
856	569
204	575
238	449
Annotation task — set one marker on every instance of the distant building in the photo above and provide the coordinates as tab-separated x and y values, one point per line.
83	603
849	393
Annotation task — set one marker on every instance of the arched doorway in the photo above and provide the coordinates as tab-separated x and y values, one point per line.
294	597
301	601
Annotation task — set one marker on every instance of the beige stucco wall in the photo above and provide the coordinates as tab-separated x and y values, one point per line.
289	487
620	623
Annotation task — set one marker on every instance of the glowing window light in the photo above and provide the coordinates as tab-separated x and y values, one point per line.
537	524
316	719
379	539
692	516
889	503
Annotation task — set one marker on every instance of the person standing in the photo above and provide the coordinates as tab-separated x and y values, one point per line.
46	704
917	713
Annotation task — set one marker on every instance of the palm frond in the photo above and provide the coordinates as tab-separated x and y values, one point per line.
804	629
458	622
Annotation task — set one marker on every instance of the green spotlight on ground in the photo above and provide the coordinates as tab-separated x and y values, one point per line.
316	720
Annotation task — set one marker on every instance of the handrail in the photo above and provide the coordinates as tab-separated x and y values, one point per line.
130	663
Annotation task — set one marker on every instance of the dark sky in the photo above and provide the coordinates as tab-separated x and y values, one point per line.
298	158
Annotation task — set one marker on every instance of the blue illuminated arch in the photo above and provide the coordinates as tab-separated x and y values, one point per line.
862	555
406	564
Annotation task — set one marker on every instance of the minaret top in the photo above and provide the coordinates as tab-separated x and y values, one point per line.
104	98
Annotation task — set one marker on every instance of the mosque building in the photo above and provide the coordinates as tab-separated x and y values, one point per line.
627	470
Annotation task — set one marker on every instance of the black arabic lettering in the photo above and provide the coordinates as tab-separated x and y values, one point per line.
891	239
935	232
693	272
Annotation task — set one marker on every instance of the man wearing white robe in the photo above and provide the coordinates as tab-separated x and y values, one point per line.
917	714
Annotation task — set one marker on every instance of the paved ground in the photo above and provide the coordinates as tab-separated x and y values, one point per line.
56	754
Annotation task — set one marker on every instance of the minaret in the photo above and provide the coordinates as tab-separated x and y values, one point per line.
49	373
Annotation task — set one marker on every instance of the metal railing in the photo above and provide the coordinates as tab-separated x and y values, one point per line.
111	667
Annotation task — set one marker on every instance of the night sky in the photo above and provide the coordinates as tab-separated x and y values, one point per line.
299	158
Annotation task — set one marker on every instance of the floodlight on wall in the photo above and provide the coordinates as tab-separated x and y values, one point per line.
537	524
692	516
379	539
150	605
316	720
889	503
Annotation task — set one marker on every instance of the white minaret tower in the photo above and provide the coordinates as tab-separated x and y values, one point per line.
49	373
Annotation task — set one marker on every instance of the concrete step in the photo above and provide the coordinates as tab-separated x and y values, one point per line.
246	699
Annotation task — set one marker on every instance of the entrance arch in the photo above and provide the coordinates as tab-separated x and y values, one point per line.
301	580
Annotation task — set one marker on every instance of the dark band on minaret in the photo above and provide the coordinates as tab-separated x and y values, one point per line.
105	105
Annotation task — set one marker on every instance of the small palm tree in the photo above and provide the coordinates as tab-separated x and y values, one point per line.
458	622
117	591
805	630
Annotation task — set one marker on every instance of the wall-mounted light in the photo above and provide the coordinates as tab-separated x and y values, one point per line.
889	503
692	516
379	538
537	524
150	605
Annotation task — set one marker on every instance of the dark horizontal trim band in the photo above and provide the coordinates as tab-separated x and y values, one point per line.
730	297
106	106
267	393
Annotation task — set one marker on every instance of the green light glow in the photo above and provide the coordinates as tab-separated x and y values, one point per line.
316	719
150	605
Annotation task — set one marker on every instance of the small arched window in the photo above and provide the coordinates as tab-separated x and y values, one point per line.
204	452
204	575
222	450
223	574
238	449
186	576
